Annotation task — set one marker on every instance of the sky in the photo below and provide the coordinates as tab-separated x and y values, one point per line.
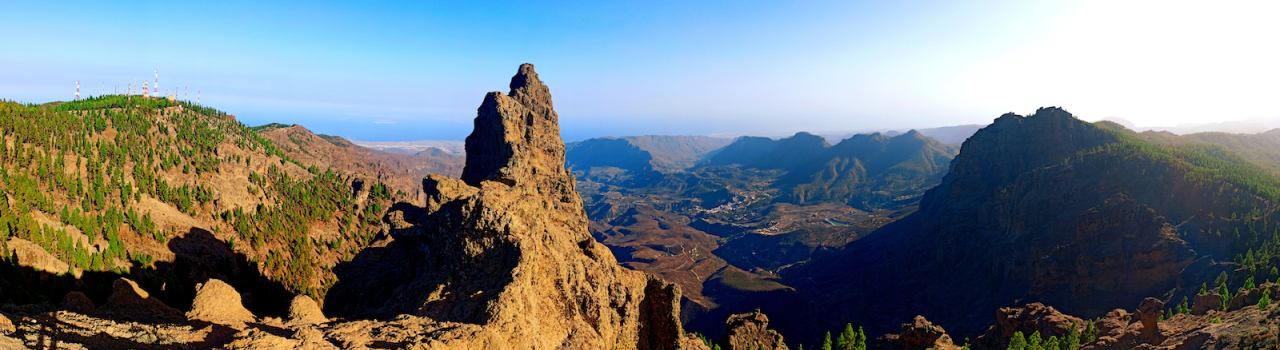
403	71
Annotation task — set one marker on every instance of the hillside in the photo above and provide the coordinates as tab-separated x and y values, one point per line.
1048	208
168	194
401	172
868	171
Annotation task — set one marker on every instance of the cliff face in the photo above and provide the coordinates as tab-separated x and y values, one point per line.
507	248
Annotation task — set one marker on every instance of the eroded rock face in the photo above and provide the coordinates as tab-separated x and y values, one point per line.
217	302
129	301
750	331
507	248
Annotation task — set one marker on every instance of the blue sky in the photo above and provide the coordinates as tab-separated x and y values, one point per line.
391	71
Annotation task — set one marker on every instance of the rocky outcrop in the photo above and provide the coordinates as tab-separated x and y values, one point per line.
1149	314
217	302
131	302
750	331
1029	319
1250	297
919	334
303	310
507	248
78	302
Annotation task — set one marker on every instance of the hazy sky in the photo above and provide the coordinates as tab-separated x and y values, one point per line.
411	71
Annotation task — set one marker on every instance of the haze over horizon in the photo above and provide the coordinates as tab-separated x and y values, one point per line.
409	71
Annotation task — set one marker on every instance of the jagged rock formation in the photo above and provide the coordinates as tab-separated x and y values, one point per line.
919	334
219	303
750	331
507	248
1029	319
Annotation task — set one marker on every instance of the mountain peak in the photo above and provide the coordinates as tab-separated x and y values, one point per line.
525	78
517	137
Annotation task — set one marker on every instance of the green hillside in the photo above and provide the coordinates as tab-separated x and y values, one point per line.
107	184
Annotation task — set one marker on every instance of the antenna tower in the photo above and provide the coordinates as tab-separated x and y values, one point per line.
77	91
156	90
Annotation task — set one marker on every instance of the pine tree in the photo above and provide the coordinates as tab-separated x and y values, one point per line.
826	342
845	340
860	340
1053	344
1034	342
1266	299
1226	295
1073	339
1018	342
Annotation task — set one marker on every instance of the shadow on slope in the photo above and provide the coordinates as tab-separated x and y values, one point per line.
199	257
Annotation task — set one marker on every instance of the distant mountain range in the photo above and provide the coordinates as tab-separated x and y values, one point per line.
456	148
641	153
861	170
1248	126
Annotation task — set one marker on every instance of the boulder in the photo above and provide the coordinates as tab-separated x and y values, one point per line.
218	302
77	302
1206	302
6	326
131	302
750	331
303	310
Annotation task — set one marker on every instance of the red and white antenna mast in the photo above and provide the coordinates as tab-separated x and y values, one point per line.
184	94
197	97
77	91
156	90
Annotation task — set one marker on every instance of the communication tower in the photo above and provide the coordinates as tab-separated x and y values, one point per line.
156	90
77	91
